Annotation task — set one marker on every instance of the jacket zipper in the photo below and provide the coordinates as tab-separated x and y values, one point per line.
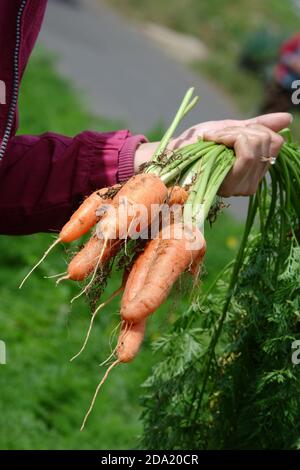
15	91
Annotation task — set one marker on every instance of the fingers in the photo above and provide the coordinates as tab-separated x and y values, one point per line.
274	140
262	139
239	181
248	143
229	135
275	121
251	139
271	143
251	142
269	140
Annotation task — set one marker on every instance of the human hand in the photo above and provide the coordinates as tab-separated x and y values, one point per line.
251	139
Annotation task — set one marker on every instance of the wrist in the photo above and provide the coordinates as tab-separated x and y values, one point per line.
126	163
144	154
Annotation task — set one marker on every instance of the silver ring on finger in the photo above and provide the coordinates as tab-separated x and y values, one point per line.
271	160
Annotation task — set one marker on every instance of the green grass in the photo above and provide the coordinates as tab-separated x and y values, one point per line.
43	396
224	26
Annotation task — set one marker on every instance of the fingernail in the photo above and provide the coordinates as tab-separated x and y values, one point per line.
291	118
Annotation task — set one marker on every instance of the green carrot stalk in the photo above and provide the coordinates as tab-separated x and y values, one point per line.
187	152
204	190
186	106
176	172
202	182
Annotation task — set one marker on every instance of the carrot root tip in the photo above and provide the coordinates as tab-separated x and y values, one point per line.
100	307
63	278
55	275
58	240
96	393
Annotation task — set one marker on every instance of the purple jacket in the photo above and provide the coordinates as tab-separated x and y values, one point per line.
44	178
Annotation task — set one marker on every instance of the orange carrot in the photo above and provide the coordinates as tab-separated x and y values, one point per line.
197	263
138	273
86	260
84	218
131	335
80	223
145	189
130	340
151	277
172	257
177	195
140	189
129	343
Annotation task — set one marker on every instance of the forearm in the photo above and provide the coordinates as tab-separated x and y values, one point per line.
44	178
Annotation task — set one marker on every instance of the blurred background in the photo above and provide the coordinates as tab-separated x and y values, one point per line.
107	65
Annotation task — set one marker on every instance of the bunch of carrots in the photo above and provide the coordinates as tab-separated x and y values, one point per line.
186	180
